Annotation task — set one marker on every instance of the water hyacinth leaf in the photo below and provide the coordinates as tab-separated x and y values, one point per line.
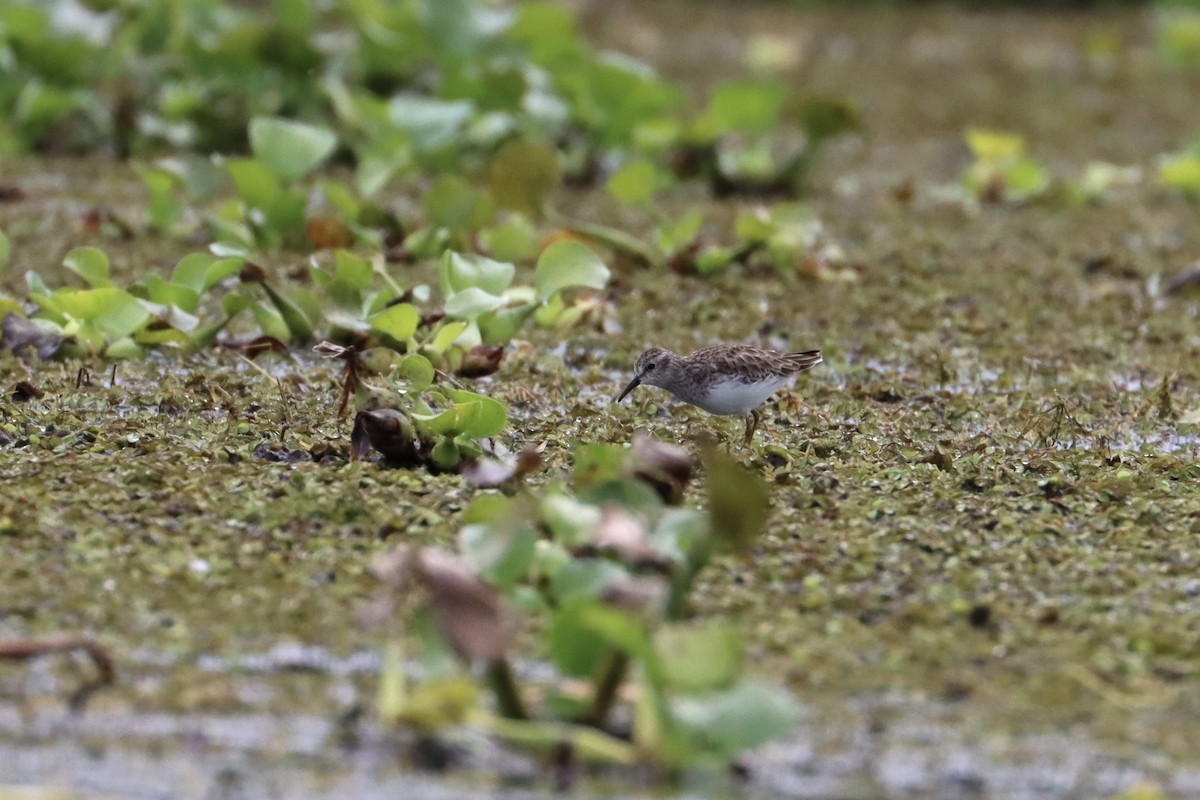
445	336
290	149
124	348
623	631
699	657
573	648
417	370
270	322
500	326
636	182
256	183
994	146
501	553
585	577
566	264
352	268
1181	172
429	123
470	303
453	203
825	117
192	270
89	263
742	718
166	293
446	453
399	321
162	207
513	240
523	176
459	271
299	326
489	508
491	415
111	310
749	106
570	521
738	501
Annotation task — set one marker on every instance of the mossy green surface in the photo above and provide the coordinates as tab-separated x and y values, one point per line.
984	497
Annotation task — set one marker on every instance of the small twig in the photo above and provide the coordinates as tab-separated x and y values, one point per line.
83	377
25	649
112	380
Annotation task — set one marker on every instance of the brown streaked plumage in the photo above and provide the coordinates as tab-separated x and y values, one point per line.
723	379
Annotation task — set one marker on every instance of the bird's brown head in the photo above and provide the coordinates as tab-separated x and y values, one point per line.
648	369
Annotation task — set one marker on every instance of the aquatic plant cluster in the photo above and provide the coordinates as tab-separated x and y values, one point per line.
271	145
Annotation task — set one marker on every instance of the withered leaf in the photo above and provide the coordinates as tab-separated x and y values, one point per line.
667	468
387	430
469	612
24	337
480	360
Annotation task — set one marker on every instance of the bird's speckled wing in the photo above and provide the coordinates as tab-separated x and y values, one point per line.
750	362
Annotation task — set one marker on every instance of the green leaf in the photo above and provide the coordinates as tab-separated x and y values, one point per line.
523	175
291	149
353	269
164	293
446	333
430	123
399	321
737	720
636	182
490	417
573	648
113	311
699	657
744	105
299	325
460	271
500	326
470	303
453	203
1181	172
568	263
5	250
738	501
501	553
257	184
89	263
417	370
514	239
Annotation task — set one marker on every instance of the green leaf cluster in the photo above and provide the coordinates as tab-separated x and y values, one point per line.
607	570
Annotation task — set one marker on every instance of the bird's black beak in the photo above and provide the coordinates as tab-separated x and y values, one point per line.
633	384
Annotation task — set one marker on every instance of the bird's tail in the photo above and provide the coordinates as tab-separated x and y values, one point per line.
804	361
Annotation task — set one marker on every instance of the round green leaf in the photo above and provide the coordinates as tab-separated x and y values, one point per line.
459	271
291	149
89	263
568	263
523	175
399	321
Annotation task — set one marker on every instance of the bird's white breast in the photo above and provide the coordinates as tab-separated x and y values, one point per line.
732	396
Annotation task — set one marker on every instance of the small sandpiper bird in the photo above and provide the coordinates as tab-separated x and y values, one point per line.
724	379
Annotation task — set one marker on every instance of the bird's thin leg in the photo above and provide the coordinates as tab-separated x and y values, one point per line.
751	427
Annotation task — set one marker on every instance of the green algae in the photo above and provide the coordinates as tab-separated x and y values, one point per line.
983	497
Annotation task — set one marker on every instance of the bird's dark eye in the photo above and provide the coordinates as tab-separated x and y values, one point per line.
649	367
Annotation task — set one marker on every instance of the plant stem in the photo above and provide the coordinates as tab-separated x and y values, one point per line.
504	686
606	689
